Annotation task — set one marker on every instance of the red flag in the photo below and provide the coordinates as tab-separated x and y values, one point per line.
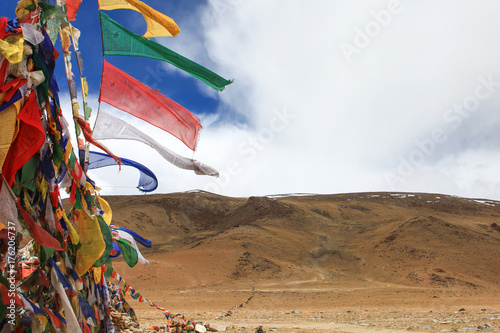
9	295
53	318
130	95
38	233
87	133
72	7
29	139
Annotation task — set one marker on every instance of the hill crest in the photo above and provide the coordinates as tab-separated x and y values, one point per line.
409	239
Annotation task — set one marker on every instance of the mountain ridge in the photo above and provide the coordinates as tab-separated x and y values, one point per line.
409	239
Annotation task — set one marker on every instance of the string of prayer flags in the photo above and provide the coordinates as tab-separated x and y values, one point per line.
158	24
37	159
62	285
130	95
110	127
117	40
130	291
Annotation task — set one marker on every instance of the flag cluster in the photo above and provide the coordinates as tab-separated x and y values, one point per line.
57	282
128	94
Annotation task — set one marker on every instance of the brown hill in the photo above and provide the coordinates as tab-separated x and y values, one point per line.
304	247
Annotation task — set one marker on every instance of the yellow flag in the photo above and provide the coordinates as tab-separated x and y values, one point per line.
12	48
158	24
108	213
21	4
75	239
65	38
85	88
92	242
97	274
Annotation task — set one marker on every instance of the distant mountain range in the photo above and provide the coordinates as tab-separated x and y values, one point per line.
203	240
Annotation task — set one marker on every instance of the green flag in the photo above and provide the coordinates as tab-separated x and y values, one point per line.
128	252
117	40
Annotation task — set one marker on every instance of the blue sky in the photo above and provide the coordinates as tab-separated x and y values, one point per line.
174	85
328	97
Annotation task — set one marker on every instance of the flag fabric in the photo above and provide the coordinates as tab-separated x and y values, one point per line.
72	7
128	237
158	24
29	139
7	129
56	323
127	250
110	127
117	40
8	208
12	48
147	180
38	233
130	95
107	213
141	240
87	133
92	242
71	320
30	306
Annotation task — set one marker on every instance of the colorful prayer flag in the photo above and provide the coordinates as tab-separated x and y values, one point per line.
158	24
29	139
110	127
147	180
72	7
130	95
117	40
92	242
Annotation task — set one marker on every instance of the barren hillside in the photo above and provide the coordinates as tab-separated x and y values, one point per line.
320	251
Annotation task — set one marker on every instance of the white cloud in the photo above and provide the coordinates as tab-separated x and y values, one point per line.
353	122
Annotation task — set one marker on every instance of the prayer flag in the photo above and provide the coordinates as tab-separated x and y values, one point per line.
30	138
12	48
129	253
38	233
92	242
87	133
72	7
147	180
143	241
117	40
7	130
110	127
158	24
126	236
130	95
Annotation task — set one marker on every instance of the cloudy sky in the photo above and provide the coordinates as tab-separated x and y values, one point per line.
328	96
